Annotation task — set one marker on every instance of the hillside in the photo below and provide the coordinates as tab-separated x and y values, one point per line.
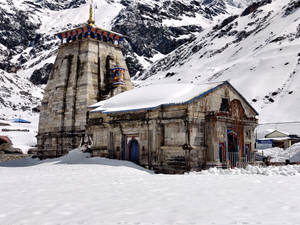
255	47
28	45
258	51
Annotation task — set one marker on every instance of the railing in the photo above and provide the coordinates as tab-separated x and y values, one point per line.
235	159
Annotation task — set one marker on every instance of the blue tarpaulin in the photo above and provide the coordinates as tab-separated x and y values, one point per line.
21	121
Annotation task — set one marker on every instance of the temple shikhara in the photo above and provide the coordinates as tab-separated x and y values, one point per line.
171	128
89	67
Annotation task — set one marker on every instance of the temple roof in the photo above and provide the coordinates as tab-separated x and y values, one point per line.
92	26
151	97
154	96
90	29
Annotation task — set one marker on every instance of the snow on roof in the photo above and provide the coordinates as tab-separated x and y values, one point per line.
153	96
276	139
277	131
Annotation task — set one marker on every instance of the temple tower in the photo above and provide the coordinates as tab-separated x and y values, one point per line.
89	67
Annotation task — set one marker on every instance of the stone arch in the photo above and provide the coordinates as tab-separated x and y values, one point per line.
237	110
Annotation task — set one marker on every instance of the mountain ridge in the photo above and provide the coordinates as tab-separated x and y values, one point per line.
28	45
166	38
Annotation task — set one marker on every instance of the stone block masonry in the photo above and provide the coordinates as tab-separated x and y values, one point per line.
9	157
80	77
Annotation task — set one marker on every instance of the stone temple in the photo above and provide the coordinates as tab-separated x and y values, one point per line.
89	67
174	128
169	128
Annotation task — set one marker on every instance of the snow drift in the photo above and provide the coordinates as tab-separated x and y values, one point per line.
281	155
289	170
78	190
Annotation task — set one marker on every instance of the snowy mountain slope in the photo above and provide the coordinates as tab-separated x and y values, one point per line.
28	45
156	28
258	51
18	96
132	18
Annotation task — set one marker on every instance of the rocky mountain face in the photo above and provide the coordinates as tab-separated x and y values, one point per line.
28	45
159	27
254	44
257	50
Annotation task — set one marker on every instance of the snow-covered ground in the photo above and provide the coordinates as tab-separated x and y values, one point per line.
78	190
20	139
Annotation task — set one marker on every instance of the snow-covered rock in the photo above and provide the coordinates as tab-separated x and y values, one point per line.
22	135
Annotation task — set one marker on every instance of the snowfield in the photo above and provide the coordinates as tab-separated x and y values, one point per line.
22	140
280	155
77	190
289	170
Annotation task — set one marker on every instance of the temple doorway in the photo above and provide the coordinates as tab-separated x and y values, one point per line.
131	150
233	147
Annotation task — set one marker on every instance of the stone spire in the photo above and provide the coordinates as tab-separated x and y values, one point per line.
91	20
80	78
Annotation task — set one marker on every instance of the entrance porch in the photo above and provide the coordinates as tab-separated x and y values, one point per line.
230	138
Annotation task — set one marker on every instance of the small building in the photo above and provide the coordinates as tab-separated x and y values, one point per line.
173	128
280	139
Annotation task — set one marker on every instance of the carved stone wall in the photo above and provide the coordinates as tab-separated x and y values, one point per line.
177	138
80	77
